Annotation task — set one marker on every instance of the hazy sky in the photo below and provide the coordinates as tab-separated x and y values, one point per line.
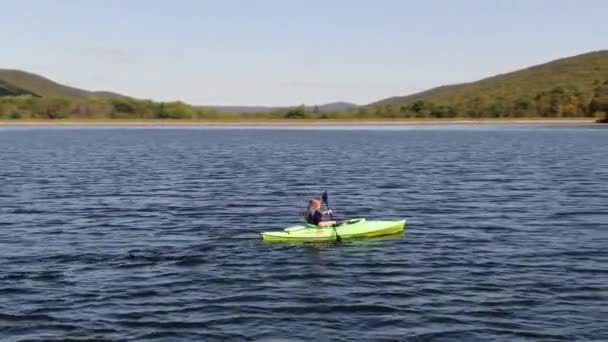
284	52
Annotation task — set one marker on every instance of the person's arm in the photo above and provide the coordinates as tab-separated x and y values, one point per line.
317	217
326	223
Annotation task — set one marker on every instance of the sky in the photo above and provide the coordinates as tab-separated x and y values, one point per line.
288	52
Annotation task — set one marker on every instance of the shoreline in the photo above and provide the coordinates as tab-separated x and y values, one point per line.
293	122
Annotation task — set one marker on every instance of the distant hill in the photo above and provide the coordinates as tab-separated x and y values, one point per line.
337	106
242	109
569	87
328	107
579	74
16	82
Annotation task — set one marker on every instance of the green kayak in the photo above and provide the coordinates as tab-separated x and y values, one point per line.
355	228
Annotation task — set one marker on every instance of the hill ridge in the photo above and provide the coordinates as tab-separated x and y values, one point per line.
438	93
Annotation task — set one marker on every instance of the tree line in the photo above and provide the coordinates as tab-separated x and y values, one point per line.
558	102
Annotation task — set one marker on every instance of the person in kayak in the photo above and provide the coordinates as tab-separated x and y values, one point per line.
314	215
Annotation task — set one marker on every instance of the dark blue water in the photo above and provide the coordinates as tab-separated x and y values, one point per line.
136	234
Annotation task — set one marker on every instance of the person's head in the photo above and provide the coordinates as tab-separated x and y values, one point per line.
314	204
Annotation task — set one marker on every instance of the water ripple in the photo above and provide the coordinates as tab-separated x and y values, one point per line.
118	234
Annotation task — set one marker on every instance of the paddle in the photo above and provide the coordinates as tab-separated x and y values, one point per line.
331	215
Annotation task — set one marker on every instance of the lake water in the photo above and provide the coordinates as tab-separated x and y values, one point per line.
150	233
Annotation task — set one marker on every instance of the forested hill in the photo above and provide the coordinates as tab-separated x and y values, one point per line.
564	87
17	82
328	107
